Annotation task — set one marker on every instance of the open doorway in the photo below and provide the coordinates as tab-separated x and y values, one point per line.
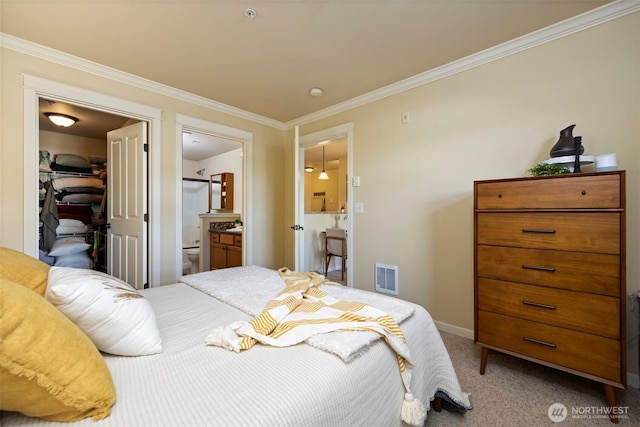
324	205
35	88
73	176
205	157
233	144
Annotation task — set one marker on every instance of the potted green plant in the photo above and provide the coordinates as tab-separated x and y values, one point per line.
544	169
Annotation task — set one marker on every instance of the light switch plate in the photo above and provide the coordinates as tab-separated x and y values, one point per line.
356	181
359	207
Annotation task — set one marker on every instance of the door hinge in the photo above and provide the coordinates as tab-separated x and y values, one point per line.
146	148
146	217
297	227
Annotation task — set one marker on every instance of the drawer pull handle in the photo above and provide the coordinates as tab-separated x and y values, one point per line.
538	230
537	304
547	344
536	267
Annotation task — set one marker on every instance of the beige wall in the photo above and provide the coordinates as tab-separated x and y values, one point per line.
493	121
268	159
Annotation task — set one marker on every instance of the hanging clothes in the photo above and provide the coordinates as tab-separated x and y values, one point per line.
49	218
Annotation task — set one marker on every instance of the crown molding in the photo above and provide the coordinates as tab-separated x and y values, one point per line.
52	55
572	25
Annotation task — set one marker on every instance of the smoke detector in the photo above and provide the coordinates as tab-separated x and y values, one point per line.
250	13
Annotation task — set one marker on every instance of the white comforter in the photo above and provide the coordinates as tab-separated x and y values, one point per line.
191	384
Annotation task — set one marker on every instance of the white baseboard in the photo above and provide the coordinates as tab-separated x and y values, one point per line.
455	330
633	380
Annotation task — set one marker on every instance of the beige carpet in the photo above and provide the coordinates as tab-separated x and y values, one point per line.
515	392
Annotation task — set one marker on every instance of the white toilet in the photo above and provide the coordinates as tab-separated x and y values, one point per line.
194	256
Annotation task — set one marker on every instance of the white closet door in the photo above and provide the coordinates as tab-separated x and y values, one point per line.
127	204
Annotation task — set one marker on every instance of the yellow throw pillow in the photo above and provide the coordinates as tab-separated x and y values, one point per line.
23	269
48	367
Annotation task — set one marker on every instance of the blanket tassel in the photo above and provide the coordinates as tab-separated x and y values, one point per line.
215	337
413	411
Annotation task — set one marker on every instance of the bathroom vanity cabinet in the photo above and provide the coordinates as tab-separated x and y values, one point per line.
226	249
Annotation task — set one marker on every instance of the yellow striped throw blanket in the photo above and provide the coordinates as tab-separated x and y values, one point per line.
302	310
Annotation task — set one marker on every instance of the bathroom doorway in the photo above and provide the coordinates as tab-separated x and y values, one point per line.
204	155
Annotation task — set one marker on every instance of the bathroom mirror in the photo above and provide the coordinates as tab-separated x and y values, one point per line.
221	192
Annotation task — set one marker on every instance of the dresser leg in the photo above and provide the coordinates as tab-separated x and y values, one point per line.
610	393
483	359
437	404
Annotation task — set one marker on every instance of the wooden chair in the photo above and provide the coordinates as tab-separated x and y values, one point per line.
335	244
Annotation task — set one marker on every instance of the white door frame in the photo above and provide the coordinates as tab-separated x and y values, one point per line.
312	139
35	88
246	139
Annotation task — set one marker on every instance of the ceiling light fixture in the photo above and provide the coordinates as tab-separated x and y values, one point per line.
62	120
315	91
308	169
323	174
250	13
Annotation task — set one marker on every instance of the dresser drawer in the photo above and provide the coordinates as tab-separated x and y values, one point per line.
237	241
574	350
573	310
576	231
572	192
577	271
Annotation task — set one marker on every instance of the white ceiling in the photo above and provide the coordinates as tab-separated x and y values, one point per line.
197	146
267	65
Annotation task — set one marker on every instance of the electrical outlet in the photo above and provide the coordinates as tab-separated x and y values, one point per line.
359	207
405	117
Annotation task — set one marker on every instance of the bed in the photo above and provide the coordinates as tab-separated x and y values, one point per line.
189	383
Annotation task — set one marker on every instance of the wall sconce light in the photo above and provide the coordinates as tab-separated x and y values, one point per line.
308	169
200	172
62	120
323	174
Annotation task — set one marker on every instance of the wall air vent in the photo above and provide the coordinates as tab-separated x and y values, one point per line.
387	279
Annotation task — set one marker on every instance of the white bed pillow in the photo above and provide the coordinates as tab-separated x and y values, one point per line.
71	226
79	260
109	311
68	245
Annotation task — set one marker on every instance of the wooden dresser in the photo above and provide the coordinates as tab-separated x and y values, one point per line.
550	273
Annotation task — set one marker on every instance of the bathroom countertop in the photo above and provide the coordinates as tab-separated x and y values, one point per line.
227	231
